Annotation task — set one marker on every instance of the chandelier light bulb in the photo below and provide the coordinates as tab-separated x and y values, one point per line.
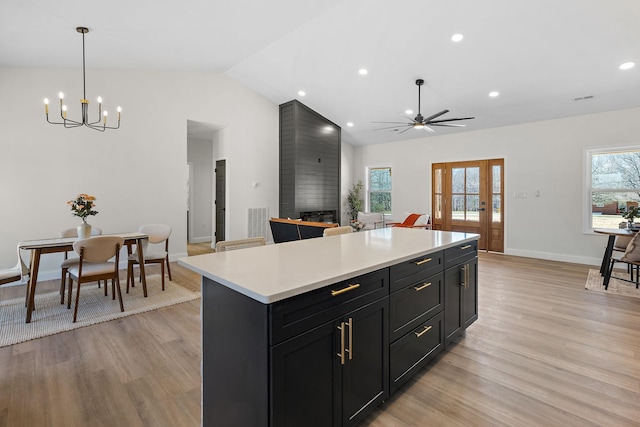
61	95
100	100
105	114
119	109
46	101
64	108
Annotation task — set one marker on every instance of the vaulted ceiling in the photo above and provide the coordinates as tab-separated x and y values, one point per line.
546	58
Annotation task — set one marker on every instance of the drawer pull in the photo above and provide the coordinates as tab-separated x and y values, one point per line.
424	285
347	289
465	247
423	261
424	331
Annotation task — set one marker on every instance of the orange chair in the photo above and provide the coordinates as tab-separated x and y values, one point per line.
410	222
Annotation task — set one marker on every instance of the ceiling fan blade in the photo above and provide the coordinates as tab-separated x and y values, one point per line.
395	123
428	129
408	118
451	120
447	125
405	130
436	115
392	127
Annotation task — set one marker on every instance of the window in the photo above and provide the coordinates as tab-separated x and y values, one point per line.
614	185
380	190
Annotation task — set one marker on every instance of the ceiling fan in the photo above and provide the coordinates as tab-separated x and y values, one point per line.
425	123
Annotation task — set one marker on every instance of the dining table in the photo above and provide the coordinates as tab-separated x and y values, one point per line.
608	251
65	244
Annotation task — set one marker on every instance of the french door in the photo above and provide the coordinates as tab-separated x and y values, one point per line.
469	197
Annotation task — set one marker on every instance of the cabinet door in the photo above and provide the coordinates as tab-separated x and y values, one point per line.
453	288
470	295
306	375
365	374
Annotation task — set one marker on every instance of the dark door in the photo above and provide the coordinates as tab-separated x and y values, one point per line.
469	296
365	374
221	166
306	378
453	282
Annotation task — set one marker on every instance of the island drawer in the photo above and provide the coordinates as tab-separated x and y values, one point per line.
416	269
410	353
299	314
460	253
414	304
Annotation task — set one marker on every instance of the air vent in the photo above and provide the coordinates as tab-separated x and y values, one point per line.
583	98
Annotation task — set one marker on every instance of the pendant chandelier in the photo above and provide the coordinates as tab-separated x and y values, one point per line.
101	123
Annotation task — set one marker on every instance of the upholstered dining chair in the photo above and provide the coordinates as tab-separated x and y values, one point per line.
631	257
70	262
337	230
94	264
231	245
19	273
155	250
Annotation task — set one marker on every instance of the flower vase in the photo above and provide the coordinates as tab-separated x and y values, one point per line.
84	230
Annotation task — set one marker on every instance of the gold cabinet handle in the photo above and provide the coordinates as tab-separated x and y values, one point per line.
341	354
424	331
347	289
465	247
424	285
350	349
422	262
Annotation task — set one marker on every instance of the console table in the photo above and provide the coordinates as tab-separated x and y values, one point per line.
319	332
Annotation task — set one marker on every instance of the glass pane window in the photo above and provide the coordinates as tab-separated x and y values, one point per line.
614	186
380	190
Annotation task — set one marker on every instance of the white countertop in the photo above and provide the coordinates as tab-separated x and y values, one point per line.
275	272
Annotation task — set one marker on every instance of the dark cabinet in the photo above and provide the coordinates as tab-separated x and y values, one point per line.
460	295
334	374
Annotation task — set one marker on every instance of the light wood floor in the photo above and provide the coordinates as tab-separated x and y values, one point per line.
544	352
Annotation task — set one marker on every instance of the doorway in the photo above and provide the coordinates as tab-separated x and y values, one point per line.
469	197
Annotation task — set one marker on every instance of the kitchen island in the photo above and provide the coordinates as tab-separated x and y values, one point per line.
321	331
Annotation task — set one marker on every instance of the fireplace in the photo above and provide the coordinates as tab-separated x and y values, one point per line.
319	216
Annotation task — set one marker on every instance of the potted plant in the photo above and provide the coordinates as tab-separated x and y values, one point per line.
82	207
630	215
354	200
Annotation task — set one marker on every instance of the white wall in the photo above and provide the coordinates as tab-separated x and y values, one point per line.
546	156
200	155
137	172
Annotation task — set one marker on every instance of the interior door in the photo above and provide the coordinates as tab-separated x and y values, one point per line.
221	166
469	197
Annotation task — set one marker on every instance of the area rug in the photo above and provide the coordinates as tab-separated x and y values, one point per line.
617	287
50	317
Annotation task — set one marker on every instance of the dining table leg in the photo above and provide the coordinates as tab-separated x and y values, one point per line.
143	276
606	259
33	279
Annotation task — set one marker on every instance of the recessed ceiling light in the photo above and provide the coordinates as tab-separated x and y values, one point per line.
627	65
494	94
301	93
408	111
350	124
457	37
363	71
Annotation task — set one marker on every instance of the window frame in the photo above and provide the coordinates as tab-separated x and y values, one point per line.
370	191
588	181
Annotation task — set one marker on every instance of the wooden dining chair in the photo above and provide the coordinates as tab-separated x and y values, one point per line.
231	245
94	264
70	262
347	229
155	250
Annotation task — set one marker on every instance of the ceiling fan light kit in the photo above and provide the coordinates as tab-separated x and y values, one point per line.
425	123
101	123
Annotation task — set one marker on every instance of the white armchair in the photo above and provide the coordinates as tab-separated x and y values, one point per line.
371	220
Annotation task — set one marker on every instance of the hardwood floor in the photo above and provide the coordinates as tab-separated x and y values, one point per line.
544	351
